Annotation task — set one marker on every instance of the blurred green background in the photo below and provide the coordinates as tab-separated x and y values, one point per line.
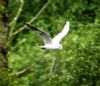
77	64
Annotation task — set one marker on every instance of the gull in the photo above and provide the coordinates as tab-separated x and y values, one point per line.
51	43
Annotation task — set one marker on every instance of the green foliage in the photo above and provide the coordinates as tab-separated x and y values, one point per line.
77	64
4	78
2	10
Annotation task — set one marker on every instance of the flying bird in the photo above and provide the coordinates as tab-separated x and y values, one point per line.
51	43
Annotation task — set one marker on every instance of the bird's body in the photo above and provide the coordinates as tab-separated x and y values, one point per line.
48	42
51	46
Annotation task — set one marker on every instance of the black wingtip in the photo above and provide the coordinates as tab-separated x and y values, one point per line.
29	25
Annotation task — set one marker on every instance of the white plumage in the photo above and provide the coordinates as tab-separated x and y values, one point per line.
48	42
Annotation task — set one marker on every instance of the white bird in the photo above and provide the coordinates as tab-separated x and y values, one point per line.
48	42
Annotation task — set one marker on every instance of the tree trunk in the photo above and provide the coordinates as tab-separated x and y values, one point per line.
4	70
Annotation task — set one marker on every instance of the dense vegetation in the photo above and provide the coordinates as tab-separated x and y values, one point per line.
77	64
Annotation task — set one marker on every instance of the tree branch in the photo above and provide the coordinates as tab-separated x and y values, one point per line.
51	69
13	22
27	70
33	19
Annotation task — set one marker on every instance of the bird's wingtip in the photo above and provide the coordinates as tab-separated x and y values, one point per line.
27	23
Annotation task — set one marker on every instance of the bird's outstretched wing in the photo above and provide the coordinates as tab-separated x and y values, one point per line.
64	32
45	36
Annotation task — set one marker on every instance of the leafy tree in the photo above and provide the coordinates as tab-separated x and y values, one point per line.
76	65
4	70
